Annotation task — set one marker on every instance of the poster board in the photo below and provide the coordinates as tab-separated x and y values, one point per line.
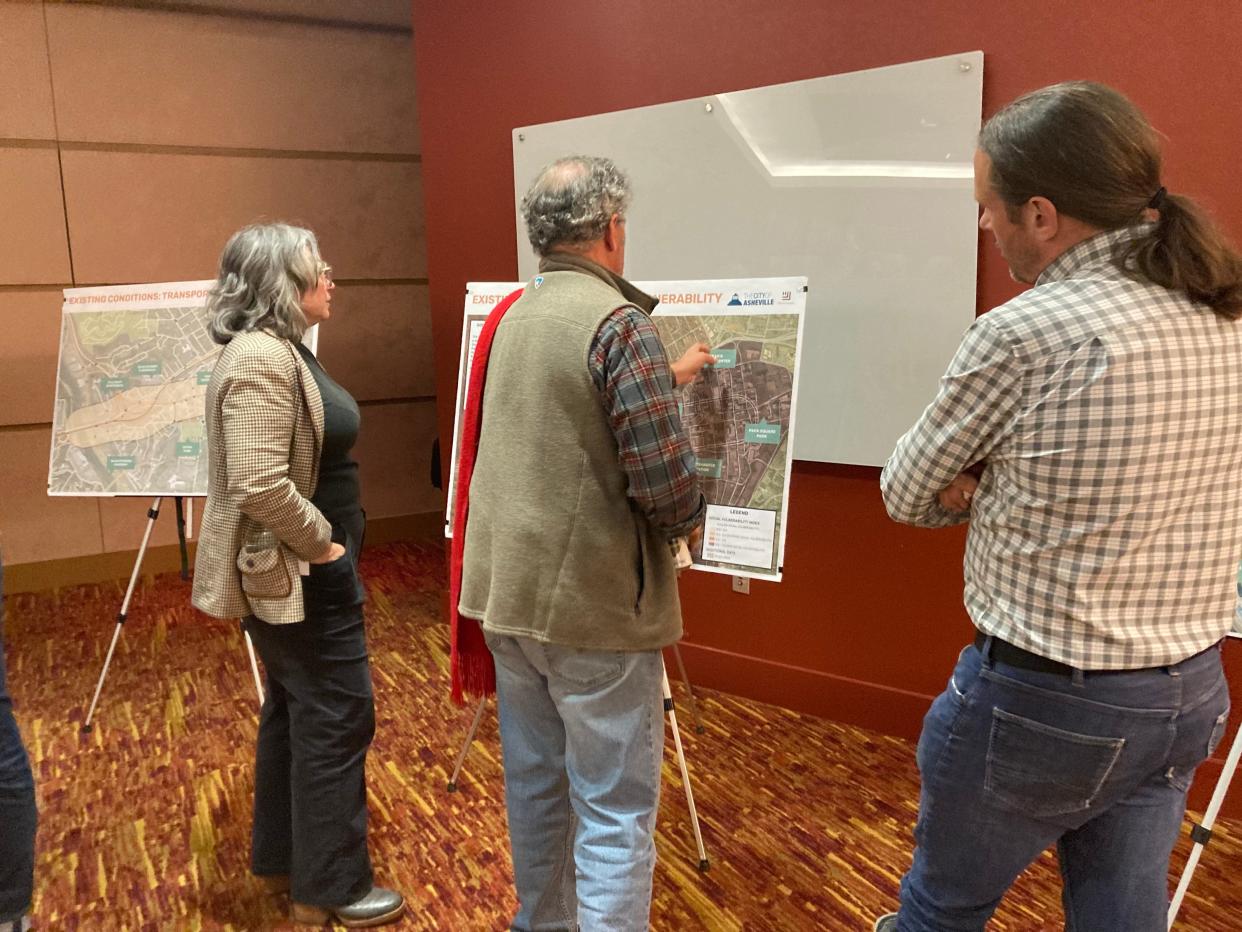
481	297
131	379
739	414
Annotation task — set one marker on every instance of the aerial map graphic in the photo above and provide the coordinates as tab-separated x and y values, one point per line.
738	413
129	402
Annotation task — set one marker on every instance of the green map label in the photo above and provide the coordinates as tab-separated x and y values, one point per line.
148	368
117	463
114	384
725	358
188	448
763	432
709	469
203	377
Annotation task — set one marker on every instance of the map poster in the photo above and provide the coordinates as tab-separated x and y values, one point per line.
481	297
130	389
739	413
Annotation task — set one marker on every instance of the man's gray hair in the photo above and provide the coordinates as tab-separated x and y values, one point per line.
264	271
571	202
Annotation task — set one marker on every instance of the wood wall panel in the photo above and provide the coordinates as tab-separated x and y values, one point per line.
25	87
138	217
395	14
394	459
33	249
35	526
254	83
175	129
30	324
124	520
378	342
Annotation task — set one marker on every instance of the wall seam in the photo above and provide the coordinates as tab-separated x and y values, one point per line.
194	9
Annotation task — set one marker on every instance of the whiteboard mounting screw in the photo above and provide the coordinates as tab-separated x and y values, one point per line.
707	108
963	66
521	137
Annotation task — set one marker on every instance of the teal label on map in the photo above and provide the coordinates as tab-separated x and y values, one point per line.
763	432
725	358
203	378
188	448
709	469
114	384
118	463
148	368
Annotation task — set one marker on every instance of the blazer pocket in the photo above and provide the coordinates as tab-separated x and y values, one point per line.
264	573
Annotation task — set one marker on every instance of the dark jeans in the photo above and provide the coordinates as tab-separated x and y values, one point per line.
1013	761
17	804
310	800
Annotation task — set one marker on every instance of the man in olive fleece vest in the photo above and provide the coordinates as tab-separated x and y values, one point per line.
583	476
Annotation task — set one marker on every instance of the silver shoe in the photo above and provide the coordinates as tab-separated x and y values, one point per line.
378	907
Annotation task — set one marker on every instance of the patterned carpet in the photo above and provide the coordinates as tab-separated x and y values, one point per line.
145	821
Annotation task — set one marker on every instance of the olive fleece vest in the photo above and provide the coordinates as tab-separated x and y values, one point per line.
554	550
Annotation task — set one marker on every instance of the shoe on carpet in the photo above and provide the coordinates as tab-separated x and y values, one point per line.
375	909
886	923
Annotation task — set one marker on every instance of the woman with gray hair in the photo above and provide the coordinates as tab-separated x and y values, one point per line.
279	545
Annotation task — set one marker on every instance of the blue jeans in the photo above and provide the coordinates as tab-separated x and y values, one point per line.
17	804
1099	763
583	735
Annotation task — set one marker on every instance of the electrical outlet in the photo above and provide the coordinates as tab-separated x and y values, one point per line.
741	584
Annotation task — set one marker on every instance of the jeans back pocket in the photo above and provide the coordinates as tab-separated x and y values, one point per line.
1045	771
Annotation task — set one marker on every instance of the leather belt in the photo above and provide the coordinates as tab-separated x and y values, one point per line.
1022	659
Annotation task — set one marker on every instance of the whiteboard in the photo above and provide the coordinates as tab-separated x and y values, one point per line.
861	182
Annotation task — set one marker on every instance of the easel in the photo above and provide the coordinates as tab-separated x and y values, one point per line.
681	754
152	514
1201	834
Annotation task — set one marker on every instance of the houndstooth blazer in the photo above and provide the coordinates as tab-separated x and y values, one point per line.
264	437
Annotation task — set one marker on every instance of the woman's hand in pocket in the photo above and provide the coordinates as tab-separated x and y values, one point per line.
334	552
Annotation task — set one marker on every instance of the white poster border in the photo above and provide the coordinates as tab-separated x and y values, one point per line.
724	287
470	312
132	297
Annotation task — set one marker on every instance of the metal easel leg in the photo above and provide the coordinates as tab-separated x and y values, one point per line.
685	772
1202	833
254	666
152	514
465	748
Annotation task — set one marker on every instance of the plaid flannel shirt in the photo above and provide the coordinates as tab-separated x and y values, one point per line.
631	371
1107	524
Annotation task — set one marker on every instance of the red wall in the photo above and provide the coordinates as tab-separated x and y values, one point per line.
868	620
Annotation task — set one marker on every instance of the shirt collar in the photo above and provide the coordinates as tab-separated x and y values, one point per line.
1094	252
570	262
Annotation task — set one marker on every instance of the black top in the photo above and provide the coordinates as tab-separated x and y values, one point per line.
338	493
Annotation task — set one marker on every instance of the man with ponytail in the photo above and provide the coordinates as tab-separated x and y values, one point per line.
1090	430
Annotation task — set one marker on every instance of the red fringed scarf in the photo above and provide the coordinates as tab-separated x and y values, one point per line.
473	671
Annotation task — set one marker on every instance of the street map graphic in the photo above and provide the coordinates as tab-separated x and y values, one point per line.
134	365
739	413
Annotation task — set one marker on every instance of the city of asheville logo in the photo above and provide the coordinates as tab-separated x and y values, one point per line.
752	299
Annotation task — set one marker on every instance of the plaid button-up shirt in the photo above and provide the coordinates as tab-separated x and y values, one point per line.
629	367
1107	526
